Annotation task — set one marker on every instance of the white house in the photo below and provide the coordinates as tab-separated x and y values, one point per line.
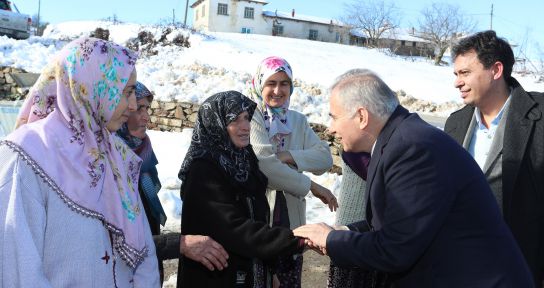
230	16
399	41
294	25
248	16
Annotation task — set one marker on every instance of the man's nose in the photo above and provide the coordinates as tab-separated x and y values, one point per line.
458	82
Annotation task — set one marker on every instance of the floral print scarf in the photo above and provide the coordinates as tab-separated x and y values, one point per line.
275	118
93	171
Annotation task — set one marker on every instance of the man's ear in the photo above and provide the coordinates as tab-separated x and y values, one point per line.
362	116
498	70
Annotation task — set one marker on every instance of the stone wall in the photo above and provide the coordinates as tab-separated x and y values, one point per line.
174	116
8	88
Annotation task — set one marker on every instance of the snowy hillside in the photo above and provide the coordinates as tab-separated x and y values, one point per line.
223	61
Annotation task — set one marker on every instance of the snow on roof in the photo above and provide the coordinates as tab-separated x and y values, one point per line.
396	33
255	1
300	17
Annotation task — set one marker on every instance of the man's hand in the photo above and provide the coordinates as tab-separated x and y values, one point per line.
315	235
205	250
325	195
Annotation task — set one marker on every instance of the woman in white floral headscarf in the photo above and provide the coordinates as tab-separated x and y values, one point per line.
69	205
286	146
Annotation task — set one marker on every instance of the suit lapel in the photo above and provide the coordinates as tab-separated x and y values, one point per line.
469	132
497	144
521	120
394	120
460	124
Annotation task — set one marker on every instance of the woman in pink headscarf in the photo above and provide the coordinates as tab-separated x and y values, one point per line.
70	211
286	146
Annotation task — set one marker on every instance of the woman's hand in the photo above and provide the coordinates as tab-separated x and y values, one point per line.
286	158
325	195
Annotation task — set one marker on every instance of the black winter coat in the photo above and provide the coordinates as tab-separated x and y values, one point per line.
221	208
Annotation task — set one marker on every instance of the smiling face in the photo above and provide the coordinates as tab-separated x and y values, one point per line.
127	104
276	89
473	80
137	121
346	125
238	130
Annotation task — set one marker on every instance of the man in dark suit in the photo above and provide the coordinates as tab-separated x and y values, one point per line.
432	218
503	129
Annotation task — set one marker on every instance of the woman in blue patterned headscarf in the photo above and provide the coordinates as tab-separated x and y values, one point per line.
168	245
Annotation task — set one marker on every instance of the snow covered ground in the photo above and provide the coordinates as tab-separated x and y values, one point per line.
223	61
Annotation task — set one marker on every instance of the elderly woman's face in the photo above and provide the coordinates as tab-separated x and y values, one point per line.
137	121
276	89
127	104
239	130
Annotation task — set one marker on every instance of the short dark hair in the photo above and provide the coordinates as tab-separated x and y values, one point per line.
489	48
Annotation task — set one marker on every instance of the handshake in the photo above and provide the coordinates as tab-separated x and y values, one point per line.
315	235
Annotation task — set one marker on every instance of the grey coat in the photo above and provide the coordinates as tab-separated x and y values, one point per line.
522	185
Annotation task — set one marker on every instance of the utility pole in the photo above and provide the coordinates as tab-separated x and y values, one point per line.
491	25
186	9
38	20
173	17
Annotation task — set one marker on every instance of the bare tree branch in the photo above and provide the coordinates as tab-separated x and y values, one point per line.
374	17
441	24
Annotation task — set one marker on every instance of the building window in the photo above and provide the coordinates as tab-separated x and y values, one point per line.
313	34
246	30
222	9
203	11
249	12
413	44
277	30
402	43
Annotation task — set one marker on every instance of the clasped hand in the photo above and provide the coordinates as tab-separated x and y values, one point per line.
315	236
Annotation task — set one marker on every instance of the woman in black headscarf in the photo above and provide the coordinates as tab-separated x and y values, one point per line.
223	194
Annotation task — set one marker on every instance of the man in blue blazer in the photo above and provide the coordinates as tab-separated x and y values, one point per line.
432	218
